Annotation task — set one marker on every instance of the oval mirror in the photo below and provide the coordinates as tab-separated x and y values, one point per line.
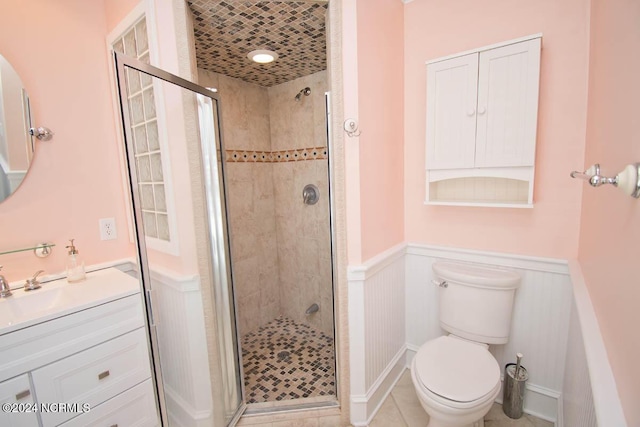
16	142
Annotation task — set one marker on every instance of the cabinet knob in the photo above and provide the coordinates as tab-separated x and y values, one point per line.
103	375
482	110
471	112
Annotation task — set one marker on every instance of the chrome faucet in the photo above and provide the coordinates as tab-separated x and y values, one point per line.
33	284
5	290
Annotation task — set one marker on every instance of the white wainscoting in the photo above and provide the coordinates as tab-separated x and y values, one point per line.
590	393
577	397
540	323
376	331
181	337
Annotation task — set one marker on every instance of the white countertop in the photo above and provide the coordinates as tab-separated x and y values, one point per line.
59	298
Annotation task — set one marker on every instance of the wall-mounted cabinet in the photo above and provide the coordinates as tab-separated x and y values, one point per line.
482	112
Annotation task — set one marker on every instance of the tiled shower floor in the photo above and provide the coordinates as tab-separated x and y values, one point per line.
271	375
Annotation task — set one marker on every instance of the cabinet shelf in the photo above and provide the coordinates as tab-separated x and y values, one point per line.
480	204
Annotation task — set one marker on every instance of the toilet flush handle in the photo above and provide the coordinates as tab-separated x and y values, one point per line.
442	284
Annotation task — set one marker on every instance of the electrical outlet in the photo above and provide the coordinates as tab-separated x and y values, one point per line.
108	229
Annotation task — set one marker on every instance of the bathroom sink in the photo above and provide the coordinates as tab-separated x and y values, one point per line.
35	302
59	298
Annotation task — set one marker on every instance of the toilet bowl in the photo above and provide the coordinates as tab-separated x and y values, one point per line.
456	381
455	376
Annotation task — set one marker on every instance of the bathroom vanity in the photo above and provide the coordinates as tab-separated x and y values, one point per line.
76	355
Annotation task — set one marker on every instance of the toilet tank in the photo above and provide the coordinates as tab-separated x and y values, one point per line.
476	302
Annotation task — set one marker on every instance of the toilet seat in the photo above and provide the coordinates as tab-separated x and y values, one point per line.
456	372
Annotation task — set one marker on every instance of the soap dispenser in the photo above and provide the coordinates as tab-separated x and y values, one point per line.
75	265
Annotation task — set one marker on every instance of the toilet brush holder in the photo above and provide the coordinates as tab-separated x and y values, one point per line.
513	393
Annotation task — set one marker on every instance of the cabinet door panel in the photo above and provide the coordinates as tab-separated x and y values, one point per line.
15	392
508	105
451	109
135	407
94	375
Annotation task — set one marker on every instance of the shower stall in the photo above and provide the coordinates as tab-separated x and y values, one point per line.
277	174
231	207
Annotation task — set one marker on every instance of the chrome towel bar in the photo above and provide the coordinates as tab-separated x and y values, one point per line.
628	180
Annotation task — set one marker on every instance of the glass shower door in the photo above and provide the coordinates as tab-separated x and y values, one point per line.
173	145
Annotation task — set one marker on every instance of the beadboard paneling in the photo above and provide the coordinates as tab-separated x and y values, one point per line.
376	330
608	408
539	327
577	397
384	326
181	337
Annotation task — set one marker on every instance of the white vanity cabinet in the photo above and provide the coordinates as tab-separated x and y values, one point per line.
89	367
481	125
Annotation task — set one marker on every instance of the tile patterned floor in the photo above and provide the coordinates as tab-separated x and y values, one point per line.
402	409
285	360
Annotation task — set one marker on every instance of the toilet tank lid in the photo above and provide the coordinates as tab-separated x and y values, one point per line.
481	276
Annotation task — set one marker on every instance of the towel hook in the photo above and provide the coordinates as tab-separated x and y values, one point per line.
42	133
351	127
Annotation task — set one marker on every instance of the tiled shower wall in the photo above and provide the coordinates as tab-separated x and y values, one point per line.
280	247
251	201
304	252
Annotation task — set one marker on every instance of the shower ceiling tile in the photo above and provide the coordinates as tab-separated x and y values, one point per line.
226	31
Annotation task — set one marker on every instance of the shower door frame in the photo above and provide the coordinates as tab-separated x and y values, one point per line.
219	254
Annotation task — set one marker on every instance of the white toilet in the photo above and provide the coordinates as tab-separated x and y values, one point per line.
455	376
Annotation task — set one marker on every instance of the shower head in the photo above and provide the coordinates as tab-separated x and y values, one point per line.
306	92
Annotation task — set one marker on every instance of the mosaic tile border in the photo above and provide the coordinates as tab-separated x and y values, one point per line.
296	155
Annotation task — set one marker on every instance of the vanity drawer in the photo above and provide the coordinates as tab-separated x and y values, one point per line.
94	375
17	391
30	348
135	407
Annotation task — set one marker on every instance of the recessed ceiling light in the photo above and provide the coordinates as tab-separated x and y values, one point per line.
262	56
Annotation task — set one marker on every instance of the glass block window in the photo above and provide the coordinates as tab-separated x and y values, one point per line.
144	127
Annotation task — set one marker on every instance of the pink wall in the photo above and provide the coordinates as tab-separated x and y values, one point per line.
380	109
610	225
59	50
116	10
438	28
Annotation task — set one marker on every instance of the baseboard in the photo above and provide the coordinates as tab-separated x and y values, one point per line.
411	352
560	419
183	414
365	407
539	401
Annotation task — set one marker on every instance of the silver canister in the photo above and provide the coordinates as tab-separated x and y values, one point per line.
515	378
